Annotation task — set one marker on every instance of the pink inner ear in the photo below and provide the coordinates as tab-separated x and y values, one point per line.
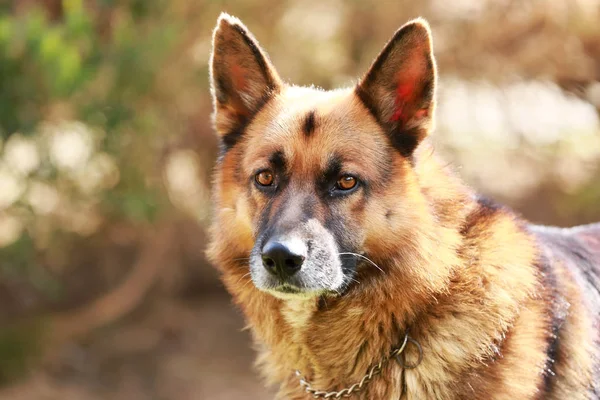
406	91
404	94
238	77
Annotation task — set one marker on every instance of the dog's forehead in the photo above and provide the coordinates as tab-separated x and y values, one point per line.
310	126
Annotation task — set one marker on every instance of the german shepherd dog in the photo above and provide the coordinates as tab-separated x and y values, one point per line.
363	266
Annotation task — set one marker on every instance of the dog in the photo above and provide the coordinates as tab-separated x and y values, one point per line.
364	267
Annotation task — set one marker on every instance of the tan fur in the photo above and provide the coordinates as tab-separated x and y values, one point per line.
462	279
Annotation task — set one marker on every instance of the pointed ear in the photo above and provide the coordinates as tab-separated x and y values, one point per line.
242	78
399	88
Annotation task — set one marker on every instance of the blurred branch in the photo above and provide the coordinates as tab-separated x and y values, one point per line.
154	254
36	338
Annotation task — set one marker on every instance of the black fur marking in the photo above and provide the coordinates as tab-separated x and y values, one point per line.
309	124
233	137
368	103
322	304
330	175
278	162
552	354
336	225
487	203
334	167
557	318
405	141
486	208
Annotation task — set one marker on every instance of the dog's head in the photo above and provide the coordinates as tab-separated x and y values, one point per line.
309	181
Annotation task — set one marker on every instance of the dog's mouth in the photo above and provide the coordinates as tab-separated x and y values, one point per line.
288	291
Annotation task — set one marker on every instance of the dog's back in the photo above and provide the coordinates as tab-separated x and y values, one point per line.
571	265
578	248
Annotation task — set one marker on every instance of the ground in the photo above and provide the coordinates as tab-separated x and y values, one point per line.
163	352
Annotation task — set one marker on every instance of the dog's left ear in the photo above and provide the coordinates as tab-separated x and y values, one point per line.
399	88
242	77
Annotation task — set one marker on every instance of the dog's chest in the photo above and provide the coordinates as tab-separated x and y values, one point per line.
298	312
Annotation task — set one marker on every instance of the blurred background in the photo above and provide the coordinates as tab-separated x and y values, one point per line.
106	151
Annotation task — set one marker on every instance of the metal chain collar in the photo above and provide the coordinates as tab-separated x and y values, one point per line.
373	371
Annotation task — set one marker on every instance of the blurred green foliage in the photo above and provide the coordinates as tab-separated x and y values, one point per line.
75	68
96	63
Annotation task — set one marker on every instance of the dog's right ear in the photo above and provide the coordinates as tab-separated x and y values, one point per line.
242	78
399	88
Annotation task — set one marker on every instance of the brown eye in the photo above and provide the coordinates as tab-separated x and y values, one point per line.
347	182
264	178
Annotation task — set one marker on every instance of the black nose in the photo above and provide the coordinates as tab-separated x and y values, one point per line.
282	258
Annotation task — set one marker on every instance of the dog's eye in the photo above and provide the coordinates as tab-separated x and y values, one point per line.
264	178
347	182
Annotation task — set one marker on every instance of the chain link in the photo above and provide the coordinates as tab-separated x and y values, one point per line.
372	372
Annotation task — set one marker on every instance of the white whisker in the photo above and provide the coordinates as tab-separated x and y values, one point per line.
242	277
246	284
364	258
355	280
